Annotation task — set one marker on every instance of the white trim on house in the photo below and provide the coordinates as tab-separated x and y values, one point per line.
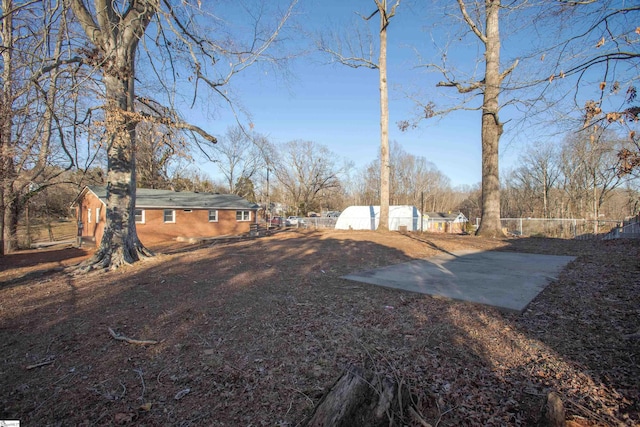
173	216
142	216
243	215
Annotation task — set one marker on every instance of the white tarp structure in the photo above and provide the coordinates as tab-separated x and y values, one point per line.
368	218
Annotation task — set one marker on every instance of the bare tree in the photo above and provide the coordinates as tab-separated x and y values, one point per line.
539	170
415	180
6	118
412	180
490	86
363	185
157	147
240	155
471	204
364	58
33	35
305	169
185	177
114	30
598	60
592	171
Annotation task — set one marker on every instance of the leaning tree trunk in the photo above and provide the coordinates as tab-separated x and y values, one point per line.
491	127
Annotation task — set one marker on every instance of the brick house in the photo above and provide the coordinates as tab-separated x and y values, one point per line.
163	215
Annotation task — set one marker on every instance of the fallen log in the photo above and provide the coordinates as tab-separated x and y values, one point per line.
361	398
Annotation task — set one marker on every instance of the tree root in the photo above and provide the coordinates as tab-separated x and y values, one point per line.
111	258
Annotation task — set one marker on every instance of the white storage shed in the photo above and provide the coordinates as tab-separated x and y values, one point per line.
368	218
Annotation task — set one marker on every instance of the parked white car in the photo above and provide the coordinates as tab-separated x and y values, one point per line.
294	220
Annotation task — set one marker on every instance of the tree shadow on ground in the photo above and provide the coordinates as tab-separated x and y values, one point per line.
422	237
254	332
576	339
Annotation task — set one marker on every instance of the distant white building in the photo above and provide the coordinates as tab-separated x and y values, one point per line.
368	218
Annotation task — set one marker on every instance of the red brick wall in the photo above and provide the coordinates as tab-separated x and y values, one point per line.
92	229
190	224
154	229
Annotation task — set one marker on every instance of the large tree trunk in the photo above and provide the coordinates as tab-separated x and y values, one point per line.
384	121
120	243
12	217
491	126
116	36
10	220
6	119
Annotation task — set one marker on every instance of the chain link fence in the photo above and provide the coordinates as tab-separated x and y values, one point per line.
321	222
573	228
530	227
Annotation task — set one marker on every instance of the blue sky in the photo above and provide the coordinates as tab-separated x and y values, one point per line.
338	106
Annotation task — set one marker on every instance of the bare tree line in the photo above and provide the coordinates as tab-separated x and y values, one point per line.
576	179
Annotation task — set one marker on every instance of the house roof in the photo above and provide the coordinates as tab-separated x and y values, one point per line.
149	198
444	215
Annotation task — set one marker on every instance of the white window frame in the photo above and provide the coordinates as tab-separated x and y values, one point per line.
97	215
240	216
142	216
216	215
173	216
88	215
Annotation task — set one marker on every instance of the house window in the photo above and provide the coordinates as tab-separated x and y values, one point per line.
243	215
88	215
97	215
169	215
140	216
213	216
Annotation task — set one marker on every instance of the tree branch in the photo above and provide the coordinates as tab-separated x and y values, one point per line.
173	122
508	71
462	89
86	21
351	61
141	11
470	22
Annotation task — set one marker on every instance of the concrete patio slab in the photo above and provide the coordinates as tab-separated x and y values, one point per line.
507	280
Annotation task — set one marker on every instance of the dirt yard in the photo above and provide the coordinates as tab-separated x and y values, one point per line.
253	332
